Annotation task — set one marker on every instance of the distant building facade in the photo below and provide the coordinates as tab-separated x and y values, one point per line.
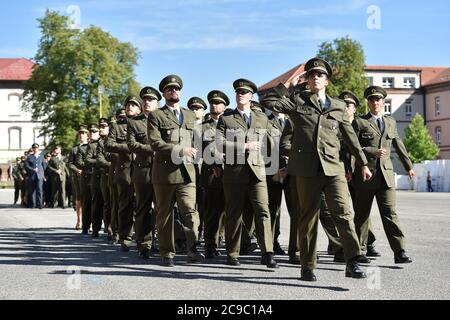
17	131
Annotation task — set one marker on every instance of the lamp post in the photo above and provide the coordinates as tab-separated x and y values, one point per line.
101	89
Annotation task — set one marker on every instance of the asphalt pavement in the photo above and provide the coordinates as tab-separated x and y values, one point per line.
43	257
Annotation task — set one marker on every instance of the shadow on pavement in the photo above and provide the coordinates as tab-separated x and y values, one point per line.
64	247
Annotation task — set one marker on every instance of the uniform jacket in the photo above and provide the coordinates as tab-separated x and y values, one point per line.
117	143
33	162
371	139
167	139
211	157
316	138
138	143
232	134
55	165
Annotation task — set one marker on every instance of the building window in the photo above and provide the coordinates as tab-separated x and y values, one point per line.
370	80
15	138
387	106
14	105
438	134
409	82
408	107
437	105
388	82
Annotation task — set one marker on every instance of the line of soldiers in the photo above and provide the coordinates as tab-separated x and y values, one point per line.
40	179
166	173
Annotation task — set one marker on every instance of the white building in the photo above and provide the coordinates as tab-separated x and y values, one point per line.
17	131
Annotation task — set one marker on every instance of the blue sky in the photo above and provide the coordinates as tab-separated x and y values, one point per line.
210	43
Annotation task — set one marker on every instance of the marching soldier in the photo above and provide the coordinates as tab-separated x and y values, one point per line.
276	183
112	158
377	133
211	174
104	166
57	168
24	192
138	144
314	160
117	142
91	165
85	183
353	103
18	179
239	137
76	174
198	106
171	134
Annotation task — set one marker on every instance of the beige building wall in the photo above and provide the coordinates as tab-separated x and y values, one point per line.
439	118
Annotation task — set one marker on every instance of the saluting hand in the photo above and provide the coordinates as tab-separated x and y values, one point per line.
366	174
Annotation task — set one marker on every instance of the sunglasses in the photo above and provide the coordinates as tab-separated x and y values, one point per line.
242	91
172	89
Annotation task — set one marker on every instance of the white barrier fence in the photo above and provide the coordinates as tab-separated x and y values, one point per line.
440	177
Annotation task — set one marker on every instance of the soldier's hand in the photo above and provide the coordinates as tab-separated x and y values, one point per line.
381	153
411	173
349	176
366	174
283	173
217	171
190	152
252	146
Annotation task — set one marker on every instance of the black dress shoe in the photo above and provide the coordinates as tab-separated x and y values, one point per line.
339	257
211	253
144	253
248	249
353	270
330	250
401	257
95	234
233	261
371	252
167	262
277	249
268	260
195	257
308	275
362	259
295	260
124	247
85	231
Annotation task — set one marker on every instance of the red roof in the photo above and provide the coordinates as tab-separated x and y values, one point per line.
284	78
15	69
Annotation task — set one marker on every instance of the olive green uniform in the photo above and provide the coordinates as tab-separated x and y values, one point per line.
382	184
57	168
97	198
104	165
85	187
117	142
314	160
138	144
244	178
214	197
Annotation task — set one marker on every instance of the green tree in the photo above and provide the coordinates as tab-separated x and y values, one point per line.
347	59
71	65
418	141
